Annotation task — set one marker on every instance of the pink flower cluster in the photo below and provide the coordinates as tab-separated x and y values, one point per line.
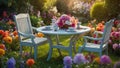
115	39
71	21
115	34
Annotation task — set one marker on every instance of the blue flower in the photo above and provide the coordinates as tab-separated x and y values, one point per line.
11	63
67	61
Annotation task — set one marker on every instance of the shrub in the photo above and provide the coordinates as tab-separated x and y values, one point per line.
35	21
98	11
42	4
113	7
64	6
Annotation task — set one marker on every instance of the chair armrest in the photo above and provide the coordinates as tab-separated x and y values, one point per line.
34	28
100	32
26	35
87	37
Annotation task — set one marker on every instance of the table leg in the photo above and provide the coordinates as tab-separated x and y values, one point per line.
50	49
73	40
57	40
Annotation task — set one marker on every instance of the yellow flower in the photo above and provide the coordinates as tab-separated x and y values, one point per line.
2	52
92	30
8	39
97	59
16	37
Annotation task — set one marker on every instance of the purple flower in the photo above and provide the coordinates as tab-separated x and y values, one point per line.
79	58
67	61
117	65
68	66
115	46
11	63
105	59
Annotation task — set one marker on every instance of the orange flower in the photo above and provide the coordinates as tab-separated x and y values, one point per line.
98	28
8	39
6	33
10	22
2	52
30	62
97	59
2	46
1	32
15	33
39	34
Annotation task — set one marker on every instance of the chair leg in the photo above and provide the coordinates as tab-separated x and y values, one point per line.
100	53
31	51
70	52
21	50
50	54
107	51
35	52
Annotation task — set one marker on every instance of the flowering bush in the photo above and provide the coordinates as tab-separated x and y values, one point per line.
87	61
114	41
66	21
82	9
6	21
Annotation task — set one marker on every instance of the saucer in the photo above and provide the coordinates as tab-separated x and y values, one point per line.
71	30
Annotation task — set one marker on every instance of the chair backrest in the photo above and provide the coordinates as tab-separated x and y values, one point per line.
107	31
23	23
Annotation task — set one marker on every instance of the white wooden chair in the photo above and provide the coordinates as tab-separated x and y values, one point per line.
92	47
25	33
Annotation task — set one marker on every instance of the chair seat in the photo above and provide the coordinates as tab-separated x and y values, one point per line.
93	47
37	41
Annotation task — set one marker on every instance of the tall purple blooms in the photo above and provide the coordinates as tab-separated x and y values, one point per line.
11	63
79	58
67	61
105	59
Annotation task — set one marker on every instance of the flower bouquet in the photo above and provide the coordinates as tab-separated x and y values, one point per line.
66	21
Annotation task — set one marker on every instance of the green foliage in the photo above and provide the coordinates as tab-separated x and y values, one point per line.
113	7
64	5
98	11
15	5
35	21
42	4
